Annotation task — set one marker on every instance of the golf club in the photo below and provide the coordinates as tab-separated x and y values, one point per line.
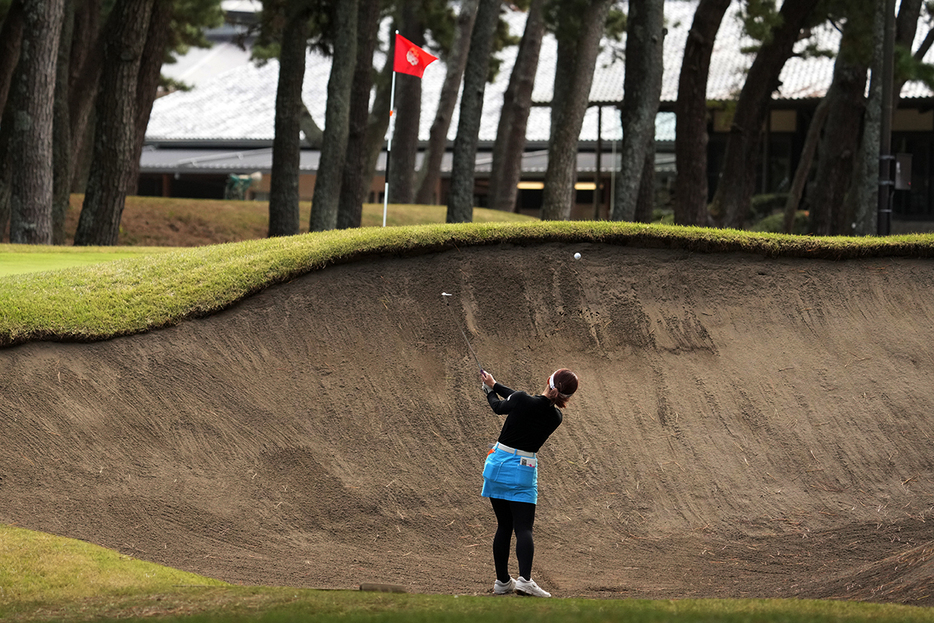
445	295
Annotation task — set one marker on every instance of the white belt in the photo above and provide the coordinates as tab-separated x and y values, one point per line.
499	446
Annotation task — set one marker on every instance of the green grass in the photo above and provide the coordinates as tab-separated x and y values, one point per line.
44	577
18	259
153	290
41	573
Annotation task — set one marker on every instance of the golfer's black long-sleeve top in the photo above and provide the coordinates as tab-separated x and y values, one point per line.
530	420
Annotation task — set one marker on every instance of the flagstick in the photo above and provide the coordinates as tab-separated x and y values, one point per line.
392	125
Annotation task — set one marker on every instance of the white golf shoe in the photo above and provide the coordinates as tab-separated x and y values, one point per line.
504	588
530	588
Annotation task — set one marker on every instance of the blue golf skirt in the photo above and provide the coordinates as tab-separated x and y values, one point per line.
509	476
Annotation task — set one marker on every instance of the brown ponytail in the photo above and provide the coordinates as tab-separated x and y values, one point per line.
565	384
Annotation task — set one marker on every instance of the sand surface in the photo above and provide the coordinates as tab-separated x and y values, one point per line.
745	427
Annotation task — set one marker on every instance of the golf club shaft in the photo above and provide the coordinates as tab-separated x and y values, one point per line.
475	358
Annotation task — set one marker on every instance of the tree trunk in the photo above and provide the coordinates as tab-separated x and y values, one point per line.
61	129
517	102
75	93
461	199
286	146
840	141
805	161
405	137
906	27
691	189
642	88
862	200
865	192
6	176
354	182
147	86
732	198
379	118
566	32
11	35
32	95
407	115
430	172
115	132
337	117
87	58
568	109
645	200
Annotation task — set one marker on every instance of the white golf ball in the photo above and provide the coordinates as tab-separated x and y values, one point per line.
577	256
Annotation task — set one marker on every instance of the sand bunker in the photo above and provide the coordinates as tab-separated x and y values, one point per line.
745	427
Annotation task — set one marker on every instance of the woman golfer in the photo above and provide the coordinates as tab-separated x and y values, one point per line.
510	474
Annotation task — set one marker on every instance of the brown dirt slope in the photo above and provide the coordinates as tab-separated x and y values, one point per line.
746	427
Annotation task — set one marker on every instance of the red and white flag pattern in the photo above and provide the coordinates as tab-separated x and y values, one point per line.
410	59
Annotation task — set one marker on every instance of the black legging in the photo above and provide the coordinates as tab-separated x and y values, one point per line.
512	517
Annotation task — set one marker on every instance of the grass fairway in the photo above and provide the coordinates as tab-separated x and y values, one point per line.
44	577
16	259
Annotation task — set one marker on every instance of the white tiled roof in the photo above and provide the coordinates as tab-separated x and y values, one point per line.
244	161
239	104
242	6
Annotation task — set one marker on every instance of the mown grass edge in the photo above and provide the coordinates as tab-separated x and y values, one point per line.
134	295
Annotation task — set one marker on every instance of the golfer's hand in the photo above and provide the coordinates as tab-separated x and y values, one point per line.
487	378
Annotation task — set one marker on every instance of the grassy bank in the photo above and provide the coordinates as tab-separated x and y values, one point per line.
154	290
43	577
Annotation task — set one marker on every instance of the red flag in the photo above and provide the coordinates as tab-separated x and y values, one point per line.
409	58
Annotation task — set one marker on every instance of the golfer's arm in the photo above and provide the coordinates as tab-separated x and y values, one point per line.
499	406
502	390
